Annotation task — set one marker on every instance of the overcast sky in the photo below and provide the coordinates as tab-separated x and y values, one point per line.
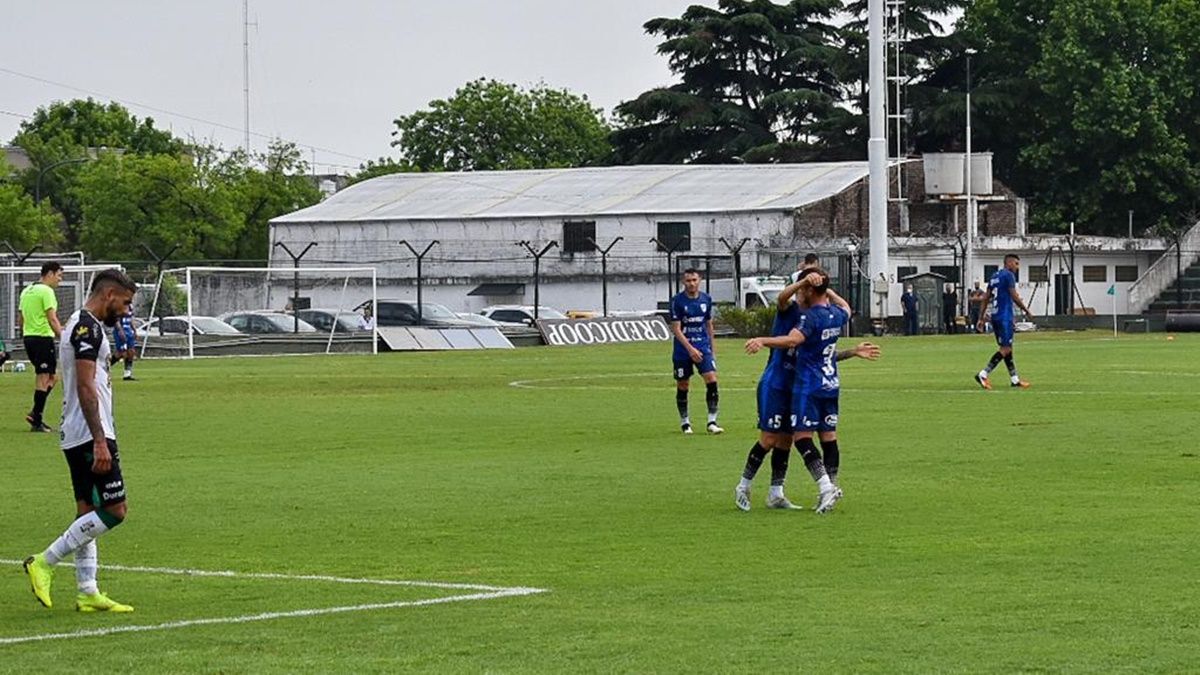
327	74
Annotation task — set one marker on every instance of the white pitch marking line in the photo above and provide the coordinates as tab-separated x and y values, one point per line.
965	390
267	616
489	593
299	577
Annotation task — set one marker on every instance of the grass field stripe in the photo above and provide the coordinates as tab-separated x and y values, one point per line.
229	574
268	616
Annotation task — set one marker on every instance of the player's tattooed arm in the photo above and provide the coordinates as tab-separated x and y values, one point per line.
89	405
863	350
983	307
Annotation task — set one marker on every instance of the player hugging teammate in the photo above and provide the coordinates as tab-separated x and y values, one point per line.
798	392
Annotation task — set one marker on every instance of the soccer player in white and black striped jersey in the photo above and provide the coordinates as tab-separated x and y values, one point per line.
89	442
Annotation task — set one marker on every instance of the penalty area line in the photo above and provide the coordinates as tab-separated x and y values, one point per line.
268	616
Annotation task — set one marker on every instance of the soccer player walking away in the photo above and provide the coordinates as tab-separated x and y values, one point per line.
1003	289
125	343
38	321
691	323
89	443
775	397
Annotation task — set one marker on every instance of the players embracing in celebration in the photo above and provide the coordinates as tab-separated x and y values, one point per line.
1003	289
691	323
89	442
799	389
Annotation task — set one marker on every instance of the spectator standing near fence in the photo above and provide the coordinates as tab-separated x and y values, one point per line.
910	303
40	328
975	302
949	308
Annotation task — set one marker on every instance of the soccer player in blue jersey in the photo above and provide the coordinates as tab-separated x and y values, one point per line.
125	342
1003	288
776	390
691	323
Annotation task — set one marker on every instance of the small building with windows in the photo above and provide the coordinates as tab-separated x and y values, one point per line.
571	233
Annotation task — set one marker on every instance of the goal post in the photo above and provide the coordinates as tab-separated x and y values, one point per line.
71	293
223	311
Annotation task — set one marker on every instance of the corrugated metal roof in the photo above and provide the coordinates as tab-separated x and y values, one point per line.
624	190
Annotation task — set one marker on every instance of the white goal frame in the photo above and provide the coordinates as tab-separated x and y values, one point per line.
347	272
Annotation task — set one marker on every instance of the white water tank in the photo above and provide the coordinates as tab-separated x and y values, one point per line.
946	173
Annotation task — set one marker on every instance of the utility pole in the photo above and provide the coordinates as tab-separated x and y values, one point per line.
670	252
604	269
295	280
735	252
246	72
420	258
877	153
537	263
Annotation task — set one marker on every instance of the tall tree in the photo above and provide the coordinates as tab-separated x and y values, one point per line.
22	224
1096	97
76	130
757	84
494	125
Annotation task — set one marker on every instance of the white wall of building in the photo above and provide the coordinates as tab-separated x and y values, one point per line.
489	249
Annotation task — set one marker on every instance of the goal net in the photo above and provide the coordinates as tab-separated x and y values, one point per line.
226	311
72	292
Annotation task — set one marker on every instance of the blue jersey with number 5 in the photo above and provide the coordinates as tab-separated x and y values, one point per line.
816	357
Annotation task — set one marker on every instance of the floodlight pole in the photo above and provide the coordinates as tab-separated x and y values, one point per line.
604	269
37	189
420	257
670	271
537	270
877	155
158	265
735	252
295	281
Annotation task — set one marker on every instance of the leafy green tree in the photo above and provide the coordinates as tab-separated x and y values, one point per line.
1090	106
212	204
757	83
491	125
155	200
22	224
79	129
373	168
280	186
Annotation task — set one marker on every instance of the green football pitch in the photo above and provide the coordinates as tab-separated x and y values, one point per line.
553	518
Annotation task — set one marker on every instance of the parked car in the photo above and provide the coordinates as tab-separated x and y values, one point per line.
404	313
477	320
178	325
266	321
323	320
519	315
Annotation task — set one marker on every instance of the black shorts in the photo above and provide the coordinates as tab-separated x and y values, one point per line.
99	490
42	353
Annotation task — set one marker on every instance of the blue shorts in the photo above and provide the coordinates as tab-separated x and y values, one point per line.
774	410
1003	330
813	413
685	368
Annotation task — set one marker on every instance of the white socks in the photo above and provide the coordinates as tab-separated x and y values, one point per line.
745	483
86	563
824	484
83	531
776	491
